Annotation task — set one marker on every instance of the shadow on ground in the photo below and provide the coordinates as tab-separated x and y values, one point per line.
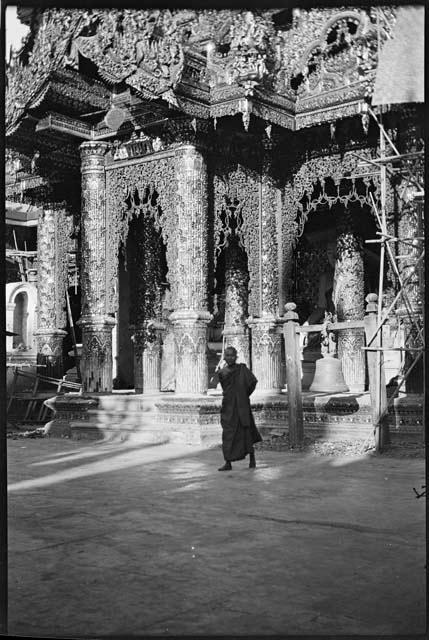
110	539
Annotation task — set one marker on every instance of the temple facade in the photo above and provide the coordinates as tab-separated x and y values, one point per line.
203	168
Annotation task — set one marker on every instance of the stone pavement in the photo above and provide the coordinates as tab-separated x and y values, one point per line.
110	539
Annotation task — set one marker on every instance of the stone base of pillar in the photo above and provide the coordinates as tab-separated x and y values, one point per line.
147	368
67	409
147	357
238	337
352	356
266	353
96	362
190	333
50	352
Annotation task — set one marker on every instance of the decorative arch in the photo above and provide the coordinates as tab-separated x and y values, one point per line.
343	53
328	179
150	185
13	290
236	208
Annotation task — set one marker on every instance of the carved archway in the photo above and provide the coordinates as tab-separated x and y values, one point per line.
236	207
155	183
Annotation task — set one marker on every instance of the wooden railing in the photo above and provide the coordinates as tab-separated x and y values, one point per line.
374	363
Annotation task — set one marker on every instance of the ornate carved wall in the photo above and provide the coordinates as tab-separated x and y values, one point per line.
53	242
237	205
96	320
155	173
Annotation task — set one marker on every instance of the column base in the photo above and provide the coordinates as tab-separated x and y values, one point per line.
266	353
96	361
50	352
190	333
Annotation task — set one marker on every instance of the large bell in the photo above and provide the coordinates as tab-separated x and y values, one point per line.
328	376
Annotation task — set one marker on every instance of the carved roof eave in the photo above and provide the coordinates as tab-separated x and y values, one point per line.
65	89
287	113
332	105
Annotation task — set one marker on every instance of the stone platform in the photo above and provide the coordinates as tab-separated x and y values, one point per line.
167	417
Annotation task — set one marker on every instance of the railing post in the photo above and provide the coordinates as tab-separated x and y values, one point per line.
293	375
376	378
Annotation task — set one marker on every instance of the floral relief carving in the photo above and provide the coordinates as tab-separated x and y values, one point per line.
264	343
236	206
52	261
348	290
157	175
300	194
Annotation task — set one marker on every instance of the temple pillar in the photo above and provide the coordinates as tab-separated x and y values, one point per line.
96	323
266	341
144	247
236	332
51	286
266	353
349	301
191	316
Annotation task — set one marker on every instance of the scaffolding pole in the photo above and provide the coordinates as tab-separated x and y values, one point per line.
415	352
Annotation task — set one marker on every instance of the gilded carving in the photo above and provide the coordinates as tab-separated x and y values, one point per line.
348	291
201	54
190	290
269	241
93	231
153	177
52	246
96	360
266	352
236	205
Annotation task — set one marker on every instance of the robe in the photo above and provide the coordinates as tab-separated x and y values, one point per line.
239	432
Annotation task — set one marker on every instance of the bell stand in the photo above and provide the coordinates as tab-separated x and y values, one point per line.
390	164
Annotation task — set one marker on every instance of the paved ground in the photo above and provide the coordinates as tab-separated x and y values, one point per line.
122	539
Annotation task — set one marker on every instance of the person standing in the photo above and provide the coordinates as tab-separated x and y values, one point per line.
239	432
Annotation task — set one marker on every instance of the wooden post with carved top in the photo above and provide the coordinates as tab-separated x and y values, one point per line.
293	375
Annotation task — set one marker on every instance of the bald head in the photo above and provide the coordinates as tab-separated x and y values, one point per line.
230	355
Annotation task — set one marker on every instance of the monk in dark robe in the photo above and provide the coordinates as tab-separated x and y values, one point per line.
239	432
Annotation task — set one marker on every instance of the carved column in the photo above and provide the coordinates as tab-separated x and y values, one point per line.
236	332
144	247
266	353
349	301
270	209
266	342
96	362
191	315
52	236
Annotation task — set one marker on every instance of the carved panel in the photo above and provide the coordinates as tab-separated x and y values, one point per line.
52	246
236	286
96	361
348	291
156	175
191	232
191	356
352	356
94	249
266	353
269	242
236	205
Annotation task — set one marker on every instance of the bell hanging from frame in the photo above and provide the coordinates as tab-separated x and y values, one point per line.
328	377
